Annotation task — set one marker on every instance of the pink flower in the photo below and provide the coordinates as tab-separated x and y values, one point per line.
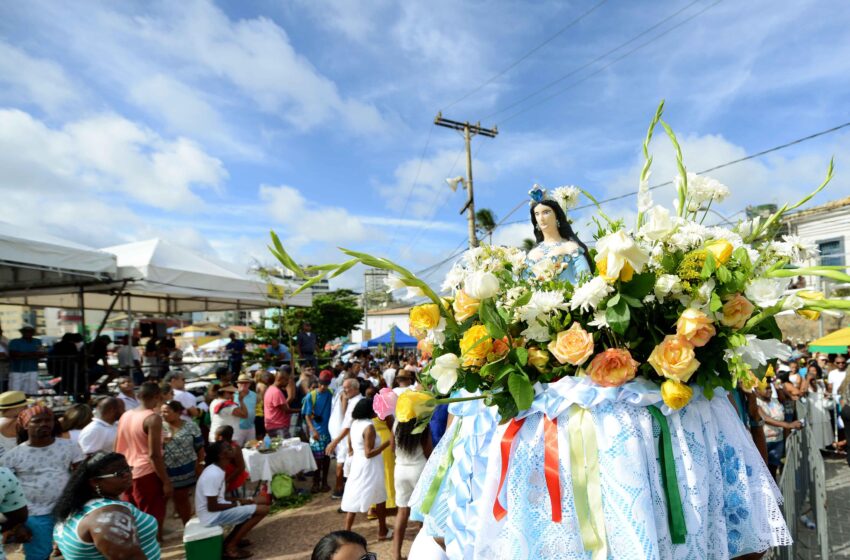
384	403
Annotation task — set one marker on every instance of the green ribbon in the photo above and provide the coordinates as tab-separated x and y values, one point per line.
675	513
587	490
445	463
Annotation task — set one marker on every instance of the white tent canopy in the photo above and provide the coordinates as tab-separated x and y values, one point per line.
155	276
30	260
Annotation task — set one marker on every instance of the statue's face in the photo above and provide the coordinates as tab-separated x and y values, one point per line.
545	217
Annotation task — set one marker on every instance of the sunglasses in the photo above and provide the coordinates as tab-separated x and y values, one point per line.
117	474
369	556
840	363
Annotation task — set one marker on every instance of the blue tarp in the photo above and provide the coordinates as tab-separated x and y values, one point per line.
394	336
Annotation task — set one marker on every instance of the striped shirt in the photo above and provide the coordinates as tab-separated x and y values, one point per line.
74	548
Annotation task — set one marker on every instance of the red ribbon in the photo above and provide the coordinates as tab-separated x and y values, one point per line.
550	462
507	441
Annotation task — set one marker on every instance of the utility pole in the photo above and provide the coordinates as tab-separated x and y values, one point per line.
468	131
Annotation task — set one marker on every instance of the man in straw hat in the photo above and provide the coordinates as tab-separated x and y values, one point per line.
11	404
43	464
246	430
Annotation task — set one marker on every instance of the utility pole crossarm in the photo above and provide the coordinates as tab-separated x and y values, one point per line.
468	130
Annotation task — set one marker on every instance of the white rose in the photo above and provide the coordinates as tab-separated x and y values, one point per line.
481	285
444	372
667	284
658	224
765	292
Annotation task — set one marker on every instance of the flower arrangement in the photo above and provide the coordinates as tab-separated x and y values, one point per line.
671	300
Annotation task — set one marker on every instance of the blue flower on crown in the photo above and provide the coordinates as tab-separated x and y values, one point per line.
537	193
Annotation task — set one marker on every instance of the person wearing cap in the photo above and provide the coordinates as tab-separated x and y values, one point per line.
11	404
306	340
246	430
225	411
43	465
317	412
177	382
24	353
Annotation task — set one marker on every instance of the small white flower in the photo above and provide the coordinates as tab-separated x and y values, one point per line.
481	285
649	298
599	321
437	335
414	292
756	352
793	303
688	236
799	248
703	189
658	224
444	372
667	284
517	258
765	292
644	195
545	269
589	295
454	278
567	196
536	332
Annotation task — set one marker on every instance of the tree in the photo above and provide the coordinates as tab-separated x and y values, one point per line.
528	244
485	223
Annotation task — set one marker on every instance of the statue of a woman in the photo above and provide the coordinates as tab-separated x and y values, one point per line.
558	251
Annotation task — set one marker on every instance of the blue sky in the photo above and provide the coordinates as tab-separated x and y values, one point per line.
210	123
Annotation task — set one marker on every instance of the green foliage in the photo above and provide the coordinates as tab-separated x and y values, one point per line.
521	390
295	500
618	316
493	321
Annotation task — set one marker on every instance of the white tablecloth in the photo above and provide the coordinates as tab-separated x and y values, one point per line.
291	460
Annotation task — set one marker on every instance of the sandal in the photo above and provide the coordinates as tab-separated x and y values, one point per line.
387	537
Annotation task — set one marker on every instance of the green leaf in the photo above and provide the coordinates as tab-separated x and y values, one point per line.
521	390
496	326
631	301
280	253
343	267
639	286
716	304
521	356
505	403
618	317
523	299
472	382
615	299
709	267
723	274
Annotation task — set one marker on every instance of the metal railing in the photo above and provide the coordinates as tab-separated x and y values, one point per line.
803	481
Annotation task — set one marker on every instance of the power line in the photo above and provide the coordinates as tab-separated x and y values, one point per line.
511	66
595	60
502	222
614	61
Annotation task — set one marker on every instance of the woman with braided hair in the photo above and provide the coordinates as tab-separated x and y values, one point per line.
93	522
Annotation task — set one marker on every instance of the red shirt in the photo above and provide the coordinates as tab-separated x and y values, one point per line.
273	413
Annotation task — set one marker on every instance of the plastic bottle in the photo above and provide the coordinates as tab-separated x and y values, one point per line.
267	442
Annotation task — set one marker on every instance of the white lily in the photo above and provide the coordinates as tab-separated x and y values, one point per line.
444	372
618	249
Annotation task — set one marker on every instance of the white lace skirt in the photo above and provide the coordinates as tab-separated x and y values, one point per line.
730	502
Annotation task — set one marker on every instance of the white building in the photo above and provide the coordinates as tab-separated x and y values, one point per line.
379	321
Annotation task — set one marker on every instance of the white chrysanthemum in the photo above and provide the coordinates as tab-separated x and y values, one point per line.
590	294
765	292
688	236
703	189
566	196
511	296
599	321
799	248
537	332
545	269
454	278
516	257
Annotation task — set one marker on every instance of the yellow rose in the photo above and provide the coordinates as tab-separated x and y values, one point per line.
696	326
721	249
675	394
475	345
538	358
464	306
612	368
736	312
572	346
626	273
674	358
809	296
425	316
414	404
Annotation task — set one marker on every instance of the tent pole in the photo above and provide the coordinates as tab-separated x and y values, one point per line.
111	307
85	361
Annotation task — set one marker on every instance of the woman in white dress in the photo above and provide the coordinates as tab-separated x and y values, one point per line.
411	453
365	484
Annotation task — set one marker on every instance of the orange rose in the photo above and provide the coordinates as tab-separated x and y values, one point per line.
572	346
674	358
464	306
736	312
426	347
612	368
696	326
500	348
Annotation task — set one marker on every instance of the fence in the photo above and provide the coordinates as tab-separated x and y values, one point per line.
803	480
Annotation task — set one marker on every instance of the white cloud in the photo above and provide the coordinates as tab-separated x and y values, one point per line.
28	79
106	154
